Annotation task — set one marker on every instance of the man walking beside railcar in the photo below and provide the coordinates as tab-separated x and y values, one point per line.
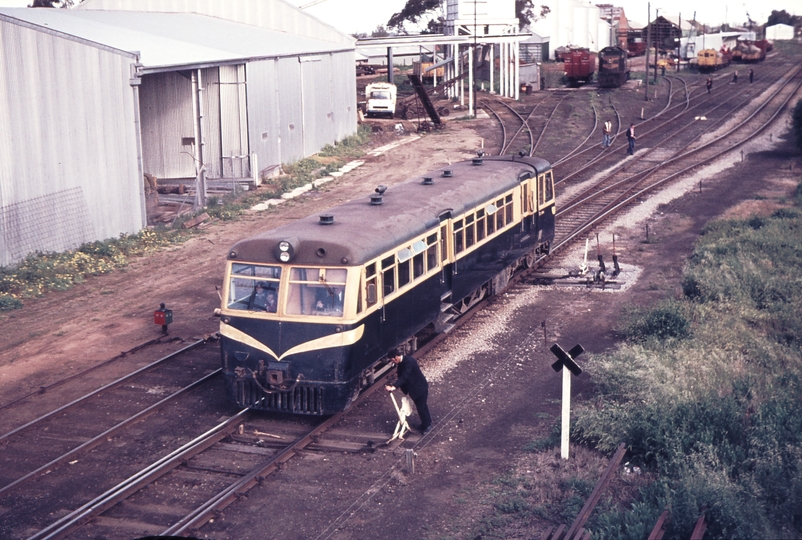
412	382
631	139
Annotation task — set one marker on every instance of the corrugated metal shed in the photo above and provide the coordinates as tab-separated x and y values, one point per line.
110	95
67	143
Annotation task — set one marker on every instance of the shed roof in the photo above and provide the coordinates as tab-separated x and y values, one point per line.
169	40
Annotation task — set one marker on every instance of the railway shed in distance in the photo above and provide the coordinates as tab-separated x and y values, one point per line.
194	91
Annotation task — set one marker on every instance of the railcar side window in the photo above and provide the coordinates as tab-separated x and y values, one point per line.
469	230
403	266
459	243
371	291
253	287
388	274
542	191
549	186
508	207
480	225
491	221
431	252
316	291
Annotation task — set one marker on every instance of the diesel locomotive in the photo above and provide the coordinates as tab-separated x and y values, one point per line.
369	274
613	67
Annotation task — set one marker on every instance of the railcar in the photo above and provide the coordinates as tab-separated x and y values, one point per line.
580	65
369	274
613	67
712	59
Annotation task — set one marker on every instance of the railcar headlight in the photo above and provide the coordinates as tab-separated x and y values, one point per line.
285	249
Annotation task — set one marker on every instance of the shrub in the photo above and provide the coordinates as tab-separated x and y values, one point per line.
797	122
664	321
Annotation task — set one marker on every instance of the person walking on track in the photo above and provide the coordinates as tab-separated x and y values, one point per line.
631	139
607	131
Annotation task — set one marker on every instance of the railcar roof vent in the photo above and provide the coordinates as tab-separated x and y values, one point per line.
326	219
478	159
448	173
376	198
427	181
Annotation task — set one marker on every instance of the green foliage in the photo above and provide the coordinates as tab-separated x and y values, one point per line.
797	124
715	415
664	321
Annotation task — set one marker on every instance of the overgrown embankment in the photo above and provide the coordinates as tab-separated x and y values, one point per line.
707	390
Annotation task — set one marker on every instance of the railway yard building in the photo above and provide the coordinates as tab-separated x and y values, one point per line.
96	97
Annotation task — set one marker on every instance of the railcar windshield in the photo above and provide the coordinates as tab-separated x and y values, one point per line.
254	287
316	291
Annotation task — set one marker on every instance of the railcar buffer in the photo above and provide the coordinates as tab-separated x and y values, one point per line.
565	361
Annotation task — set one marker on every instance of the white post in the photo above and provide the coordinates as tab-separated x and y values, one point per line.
492	67
566	416
470	82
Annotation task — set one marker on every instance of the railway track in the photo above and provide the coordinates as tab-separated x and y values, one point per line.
198	470
672	157
227	459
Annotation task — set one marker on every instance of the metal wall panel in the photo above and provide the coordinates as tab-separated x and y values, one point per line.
233	122
288	86
168	134
210	99
68	143
264	114
283	125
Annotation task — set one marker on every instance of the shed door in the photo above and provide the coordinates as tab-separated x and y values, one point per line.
233	123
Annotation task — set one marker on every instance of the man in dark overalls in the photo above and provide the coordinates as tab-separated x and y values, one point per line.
411	382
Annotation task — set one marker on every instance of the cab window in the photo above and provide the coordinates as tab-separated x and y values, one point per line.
316	291
253	287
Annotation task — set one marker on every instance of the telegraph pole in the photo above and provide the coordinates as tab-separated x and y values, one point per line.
648	44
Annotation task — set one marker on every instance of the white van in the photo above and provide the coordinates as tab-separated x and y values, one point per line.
381	99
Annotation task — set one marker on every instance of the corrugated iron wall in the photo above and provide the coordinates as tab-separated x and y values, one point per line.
68	144
169	148
297	107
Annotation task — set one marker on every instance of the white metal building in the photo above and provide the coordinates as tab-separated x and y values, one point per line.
779	32
575	23
94	98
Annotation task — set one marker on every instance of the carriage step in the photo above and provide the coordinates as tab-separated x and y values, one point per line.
445	296
444	306
444	328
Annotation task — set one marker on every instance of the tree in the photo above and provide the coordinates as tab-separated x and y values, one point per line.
780	17
797	120
416	10
52	3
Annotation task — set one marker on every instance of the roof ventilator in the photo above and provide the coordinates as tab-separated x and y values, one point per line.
326	219
427	181
478	159
448	173
376	198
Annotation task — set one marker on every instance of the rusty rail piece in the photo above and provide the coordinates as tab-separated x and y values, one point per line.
576	531
659	527
590	504
700	528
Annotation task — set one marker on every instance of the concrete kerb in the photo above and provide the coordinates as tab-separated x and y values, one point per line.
348	167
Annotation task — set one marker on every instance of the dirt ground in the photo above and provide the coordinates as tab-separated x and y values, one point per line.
67	332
